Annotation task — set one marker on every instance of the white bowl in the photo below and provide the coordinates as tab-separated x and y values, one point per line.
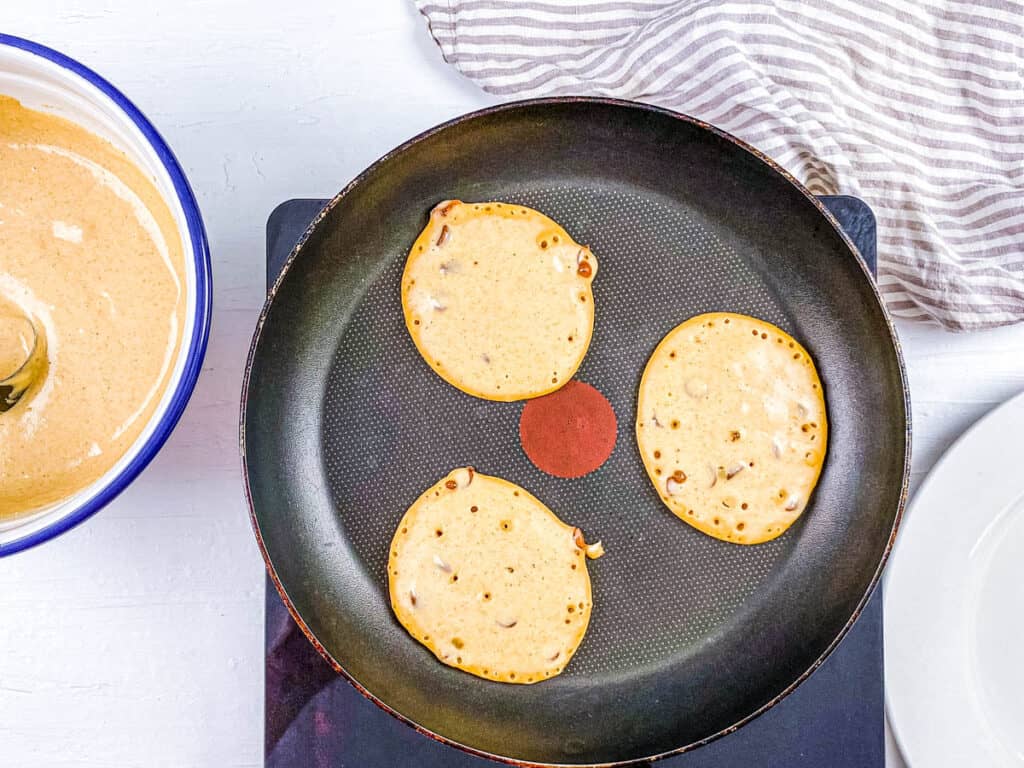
43	79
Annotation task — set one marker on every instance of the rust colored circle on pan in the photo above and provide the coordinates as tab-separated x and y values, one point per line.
568	433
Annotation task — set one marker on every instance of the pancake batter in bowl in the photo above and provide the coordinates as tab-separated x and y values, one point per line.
90	254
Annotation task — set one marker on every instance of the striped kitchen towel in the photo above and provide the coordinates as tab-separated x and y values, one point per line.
916	106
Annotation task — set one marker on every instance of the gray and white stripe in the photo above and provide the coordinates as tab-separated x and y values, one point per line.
916	106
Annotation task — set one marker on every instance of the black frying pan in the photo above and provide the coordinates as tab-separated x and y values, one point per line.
343	425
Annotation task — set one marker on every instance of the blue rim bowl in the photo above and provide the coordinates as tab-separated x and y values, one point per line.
194	347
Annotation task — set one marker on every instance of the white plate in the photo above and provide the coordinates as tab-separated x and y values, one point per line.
954	605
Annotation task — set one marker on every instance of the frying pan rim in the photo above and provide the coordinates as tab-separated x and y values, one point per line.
511	107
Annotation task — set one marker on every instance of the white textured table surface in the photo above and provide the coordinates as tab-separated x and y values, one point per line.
137	639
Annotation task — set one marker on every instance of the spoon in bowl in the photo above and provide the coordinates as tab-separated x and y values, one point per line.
23	359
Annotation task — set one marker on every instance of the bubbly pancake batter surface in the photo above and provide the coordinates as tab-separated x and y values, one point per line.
731	426
497	298
89	251
490	580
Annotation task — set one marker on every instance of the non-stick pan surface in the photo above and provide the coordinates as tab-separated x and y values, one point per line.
344	425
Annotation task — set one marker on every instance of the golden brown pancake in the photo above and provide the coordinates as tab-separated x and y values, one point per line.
490	580
731	426
497	299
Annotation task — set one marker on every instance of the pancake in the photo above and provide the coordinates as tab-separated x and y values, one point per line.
497	299
490	580
731	426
